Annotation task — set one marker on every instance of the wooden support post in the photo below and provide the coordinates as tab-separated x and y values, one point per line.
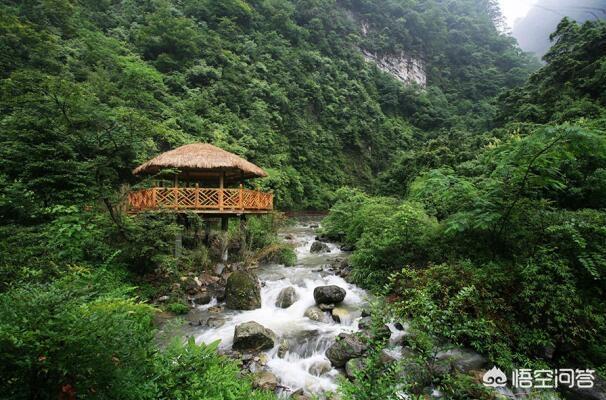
206	232
176	192
197	197
224	223
241	190
221	183
242	233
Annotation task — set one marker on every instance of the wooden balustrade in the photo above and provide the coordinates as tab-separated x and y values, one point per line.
212	200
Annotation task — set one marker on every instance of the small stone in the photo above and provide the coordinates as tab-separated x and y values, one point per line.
398	326
287	297
315	314
340	315
299	394
462	360
215	309
215	322
219	268
319	247
386	357
283	348
319	368
265	380
202	298
365	312
163	298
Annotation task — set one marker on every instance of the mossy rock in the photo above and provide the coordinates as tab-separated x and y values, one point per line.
243	291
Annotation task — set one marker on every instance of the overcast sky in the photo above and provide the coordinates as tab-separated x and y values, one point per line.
514	9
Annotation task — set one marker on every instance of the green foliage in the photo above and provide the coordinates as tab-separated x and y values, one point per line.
515	261
177	308
186	371
386	233
570	86
81	334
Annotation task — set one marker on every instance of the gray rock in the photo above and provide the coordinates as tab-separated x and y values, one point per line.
215	322
163	298
319	247
265	380
314	313
319	368
283	348
347	247
387	357
251	336
287	297
381	332
219	268
352	366
329	294
243	291
346	347
462	360
299	394
202	298
340	314
597	392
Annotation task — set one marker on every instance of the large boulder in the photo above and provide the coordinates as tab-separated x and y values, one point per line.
243	291
319	247
251	336
287	297
329	294
346	347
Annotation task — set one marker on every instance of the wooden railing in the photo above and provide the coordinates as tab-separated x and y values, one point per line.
200	199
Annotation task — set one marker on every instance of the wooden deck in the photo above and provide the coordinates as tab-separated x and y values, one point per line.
201	200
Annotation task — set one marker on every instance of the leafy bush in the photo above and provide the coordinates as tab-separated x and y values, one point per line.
177	308
186	371
81	335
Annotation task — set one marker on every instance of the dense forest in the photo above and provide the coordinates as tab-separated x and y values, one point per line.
475	203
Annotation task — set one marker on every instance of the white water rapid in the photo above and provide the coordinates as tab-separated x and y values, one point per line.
304	365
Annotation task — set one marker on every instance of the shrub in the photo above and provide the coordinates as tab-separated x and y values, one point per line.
391	237
177	308
188	371
81	335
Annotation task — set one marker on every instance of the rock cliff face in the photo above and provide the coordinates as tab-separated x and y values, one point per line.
406	69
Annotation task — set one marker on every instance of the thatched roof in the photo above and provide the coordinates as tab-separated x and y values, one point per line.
201	158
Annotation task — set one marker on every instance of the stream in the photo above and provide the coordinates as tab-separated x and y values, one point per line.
304	364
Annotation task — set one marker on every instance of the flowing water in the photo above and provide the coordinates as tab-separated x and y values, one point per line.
304	365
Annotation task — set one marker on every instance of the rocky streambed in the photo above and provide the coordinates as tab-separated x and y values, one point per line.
283	322
297	329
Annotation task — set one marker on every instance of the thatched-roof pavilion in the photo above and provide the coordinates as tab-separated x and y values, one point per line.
202	159
200	178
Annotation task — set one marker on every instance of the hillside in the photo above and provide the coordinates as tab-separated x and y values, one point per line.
96	87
